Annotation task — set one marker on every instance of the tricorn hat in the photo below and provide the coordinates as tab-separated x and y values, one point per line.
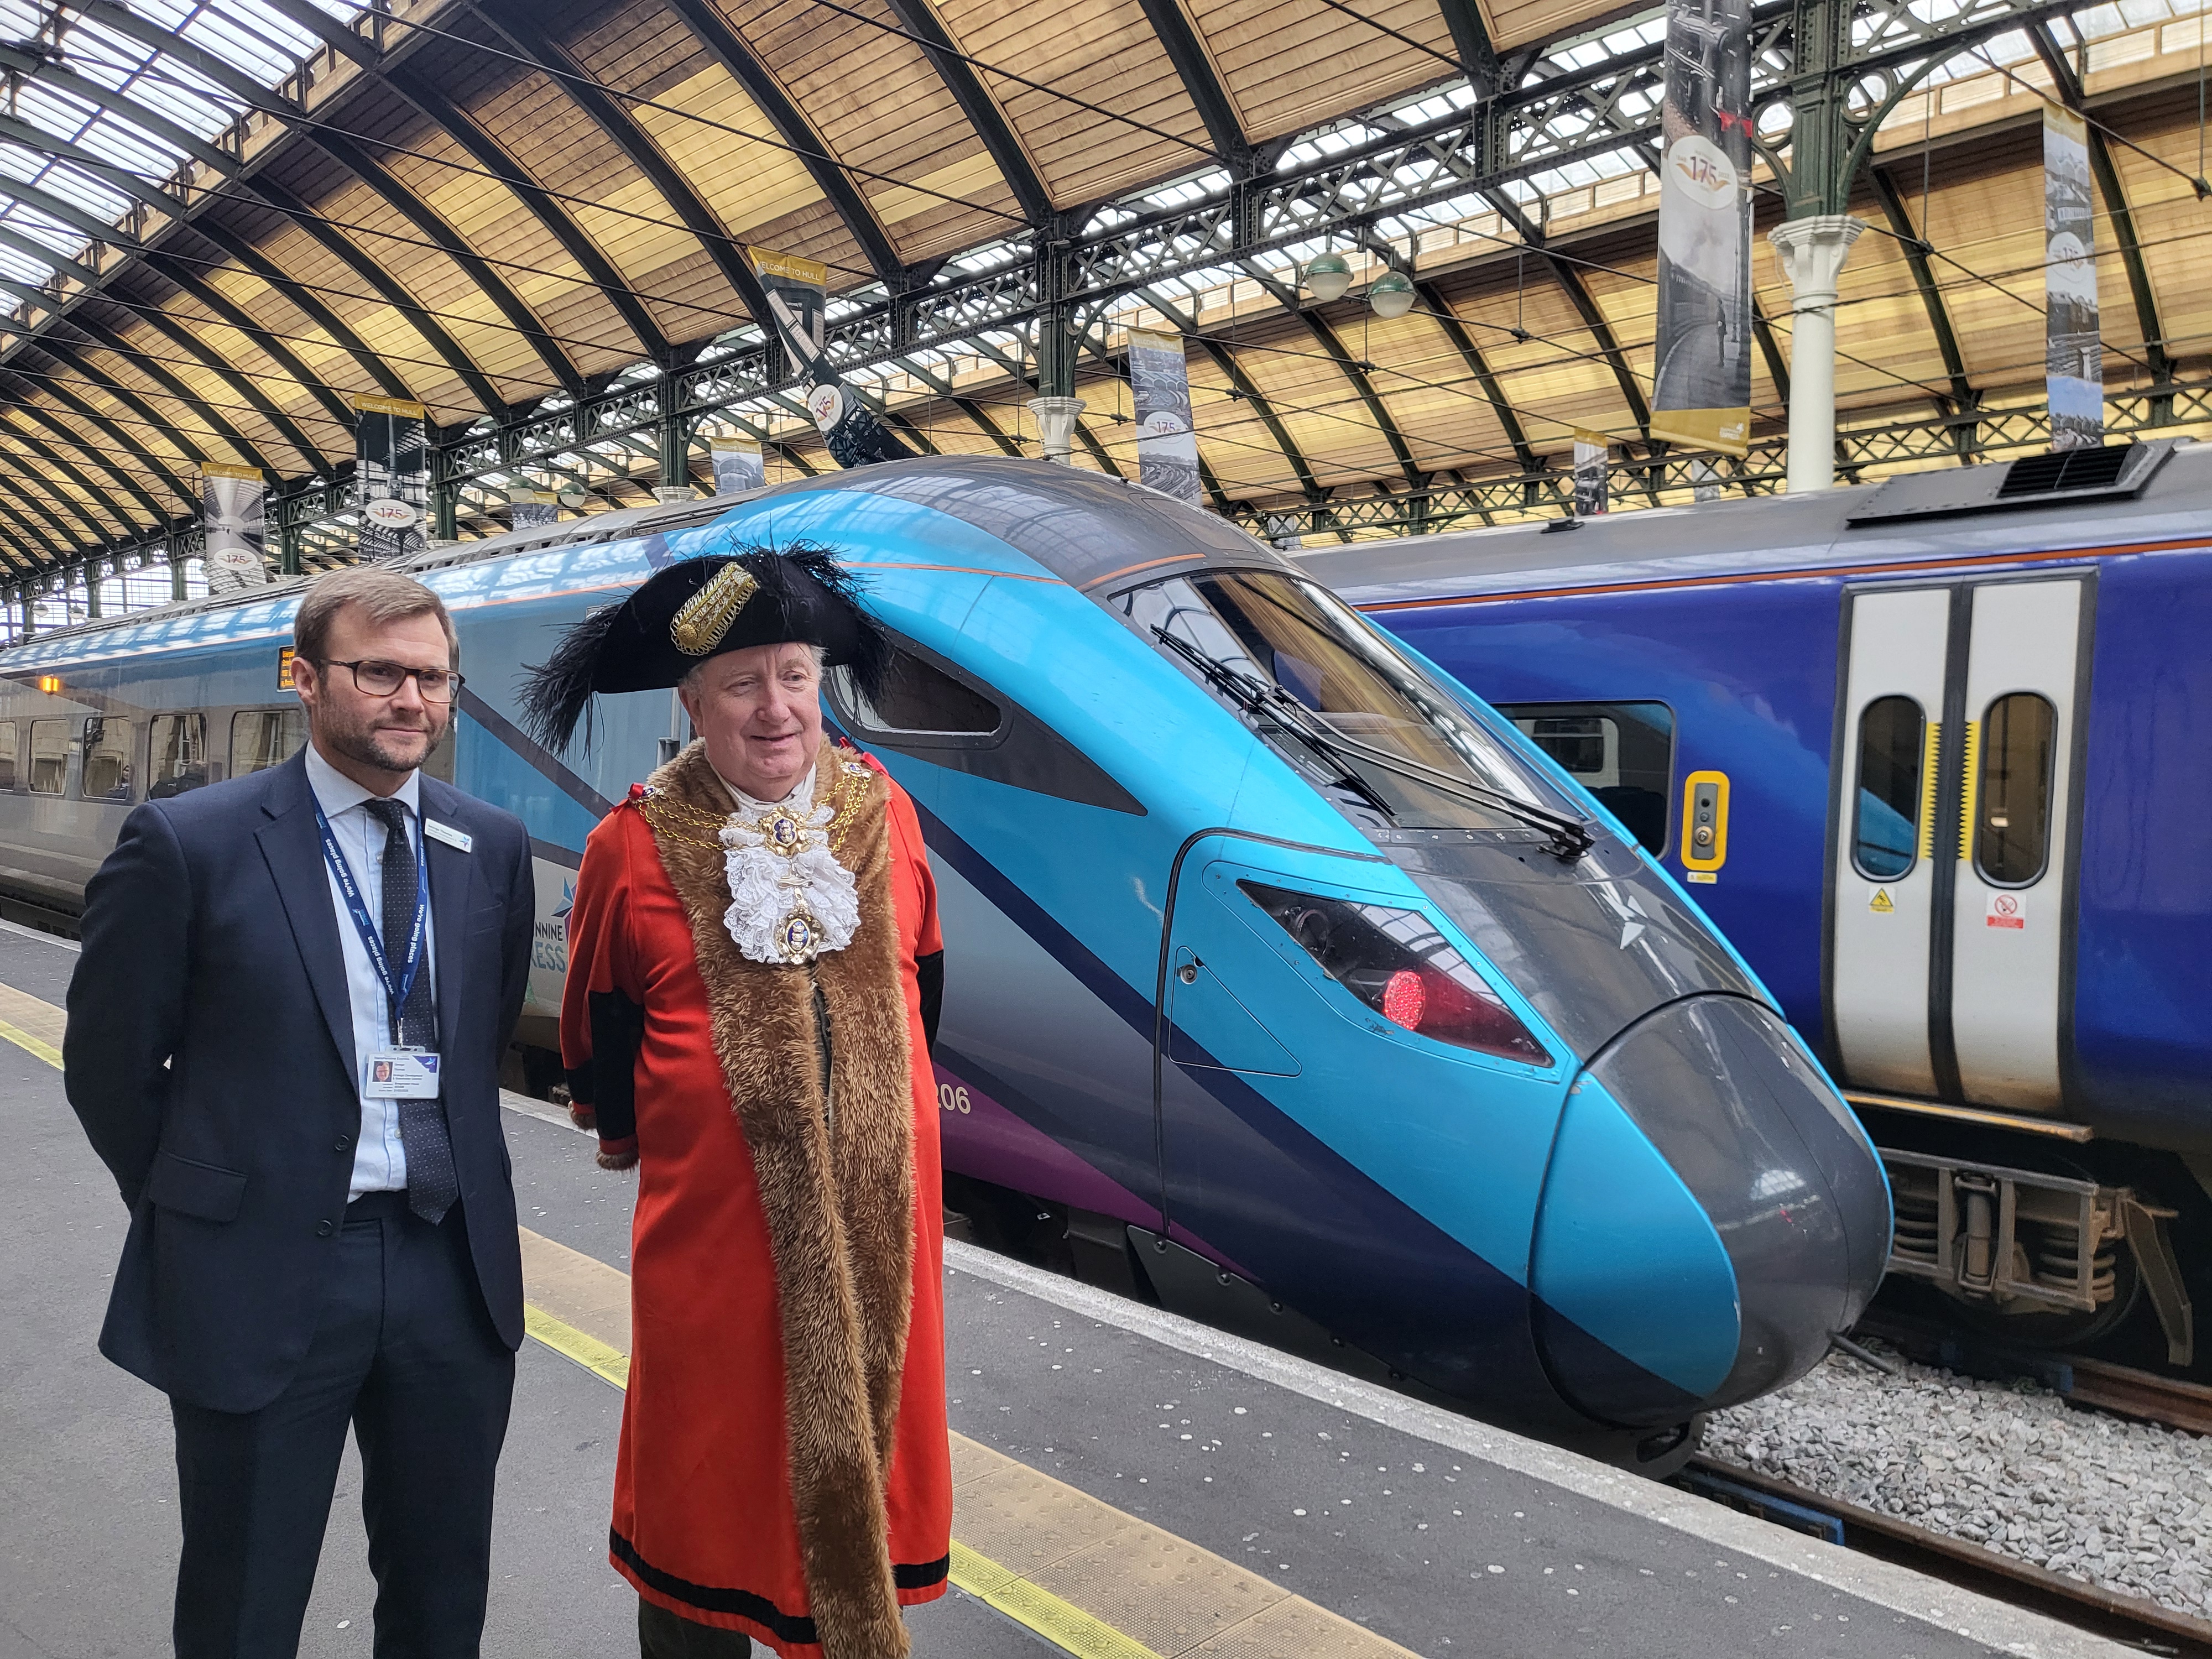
696	608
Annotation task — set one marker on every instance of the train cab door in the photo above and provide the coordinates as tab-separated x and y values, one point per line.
1956	817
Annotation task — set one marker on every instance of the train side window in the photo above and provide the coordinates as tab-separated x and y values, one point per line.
1886	820
50	747
263	738
106	775
1622	753
919	697
7	739
177	756
2012	795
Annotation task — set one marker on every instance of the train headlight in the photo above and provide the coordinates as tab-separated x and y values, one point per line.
1396	962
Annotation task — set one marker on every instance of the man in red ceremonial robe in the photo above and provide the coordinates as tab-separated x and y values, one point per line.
754	966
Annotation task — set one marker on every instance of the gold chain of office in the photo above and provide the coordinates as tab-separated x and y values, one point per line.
695	827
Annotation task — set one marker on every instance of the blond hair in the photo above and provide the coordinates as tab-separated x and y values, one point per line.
384	595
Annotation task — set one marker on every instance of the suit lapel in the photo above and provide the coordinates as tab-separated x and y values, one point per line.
451	870
294	852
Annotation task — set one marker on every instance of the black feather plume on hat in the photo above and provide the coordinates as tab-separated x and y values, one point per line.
868	657
801	593
557	695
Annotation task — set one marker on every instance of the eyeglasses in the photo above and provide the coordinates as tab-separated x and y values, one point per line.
381	679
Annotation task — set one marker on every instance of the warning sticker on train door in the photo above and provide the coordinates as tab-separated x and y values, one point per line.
2007	910
1882	904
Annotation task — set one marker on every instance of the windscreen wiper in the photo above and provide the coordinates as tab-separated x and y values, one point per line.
1250	693
1566	837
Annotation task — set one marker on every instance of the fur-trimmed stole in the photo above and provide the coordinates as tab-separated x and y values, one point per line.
838	1195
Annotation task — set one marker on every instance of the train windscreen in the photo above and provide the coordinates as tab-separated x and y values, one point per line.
1337	702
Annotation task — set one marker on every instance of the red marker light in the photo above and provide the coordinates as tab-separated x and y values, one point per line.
1405	999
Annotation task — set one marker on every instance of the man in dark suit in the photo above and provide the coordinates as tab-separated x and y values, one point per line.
284	1037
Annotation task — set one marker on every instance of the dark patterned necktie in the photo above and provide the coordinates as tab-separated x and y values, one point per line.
432	1184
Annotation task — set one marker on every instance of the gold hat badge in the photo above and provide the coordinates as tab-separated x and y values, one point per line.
703	619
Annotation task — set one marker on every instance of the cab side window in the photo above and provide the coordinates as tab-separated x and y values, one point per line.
9	733
1622	753
934	710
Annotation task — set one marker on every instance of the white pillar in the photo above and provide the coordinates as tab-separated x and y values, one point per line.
1811	252
1056	419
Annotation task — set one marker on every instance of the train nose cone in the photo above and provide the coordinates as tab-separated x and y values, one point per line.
1712	1215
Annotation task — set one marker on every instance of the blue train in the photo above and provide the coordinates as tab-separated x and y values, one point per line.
1932	753
1287	982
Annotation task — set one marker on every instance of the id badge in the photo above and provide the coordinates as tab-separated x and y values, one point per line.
402	1074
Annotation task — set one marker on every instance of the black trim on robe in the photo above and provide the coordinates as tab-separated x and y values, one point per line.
607	1083
929	974
795	1628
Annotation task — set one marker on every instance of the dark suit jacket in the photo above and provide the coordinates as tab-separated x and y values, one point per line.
209	1057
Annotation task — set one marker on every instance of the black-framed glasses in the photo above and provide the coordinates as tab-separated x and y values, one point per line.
380	678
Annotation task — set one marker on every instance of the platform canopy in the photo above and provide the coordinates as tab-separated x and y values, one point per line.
220	223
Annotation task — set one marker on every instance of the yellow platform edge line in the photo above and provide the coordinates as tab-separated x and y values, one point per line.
565	1339
1060	1623
30	1045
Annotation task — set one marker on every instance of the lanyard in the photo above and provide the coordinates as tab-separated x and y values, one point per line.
395	990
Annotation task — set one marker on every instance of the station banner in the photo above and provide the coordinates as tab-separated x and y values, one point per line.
798	302
1701	395
391	476
740	465
231	512
533	509
1593	450
1167	446
2073	343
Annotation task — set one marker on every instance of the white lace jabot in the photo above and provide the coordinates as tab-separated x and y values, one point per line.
790	900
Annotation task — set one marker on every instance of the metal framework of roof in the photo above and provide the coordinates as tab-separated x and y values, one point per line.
222	220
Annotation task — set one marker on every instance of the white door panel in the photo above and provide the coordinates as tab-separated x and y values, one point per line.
2011	901
1881	938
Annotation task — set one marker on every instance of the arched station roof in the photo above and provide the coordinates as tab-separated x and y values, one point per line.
221	222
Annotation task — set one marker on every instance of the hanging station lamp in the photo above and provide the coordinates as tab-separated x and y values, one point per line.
1328	276
1391	294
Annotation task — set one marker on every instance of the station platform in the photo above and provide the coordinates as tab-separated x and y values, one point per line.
1131	1485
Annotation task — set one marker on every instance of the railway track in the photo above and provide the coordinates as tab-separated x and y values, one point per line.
2134	1621
2121	1389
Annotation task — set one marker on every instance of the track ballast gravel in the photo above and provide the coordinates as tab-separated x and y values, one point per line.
2124	1505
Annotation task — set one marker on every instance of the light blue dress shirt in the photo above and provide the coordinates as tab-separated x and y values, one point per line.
379	1163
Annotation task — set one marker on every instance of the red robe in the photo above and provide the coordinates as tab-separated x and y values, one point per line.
706	1523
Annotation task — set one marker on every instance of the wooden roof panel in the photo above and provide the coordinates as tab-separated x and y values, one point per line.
1289	66
1103	53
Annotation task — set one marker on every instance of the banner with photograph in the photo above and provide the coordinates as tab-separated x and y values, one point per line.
231	510
533	509
2073	341
1701	394
1593	450
798	302
391	476
1167	444
740	465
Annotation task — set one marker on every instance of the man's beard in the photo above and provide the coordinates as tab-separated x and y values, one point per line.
371	746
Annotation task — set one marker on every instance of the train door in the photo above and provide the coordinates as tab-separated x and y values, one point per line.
1952	901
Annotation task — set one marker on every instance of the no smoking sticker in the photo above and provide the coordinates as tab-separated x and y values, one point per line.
2007	910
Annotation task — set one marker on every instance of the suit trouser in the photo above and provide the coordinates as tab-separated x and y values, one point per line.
407	1353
